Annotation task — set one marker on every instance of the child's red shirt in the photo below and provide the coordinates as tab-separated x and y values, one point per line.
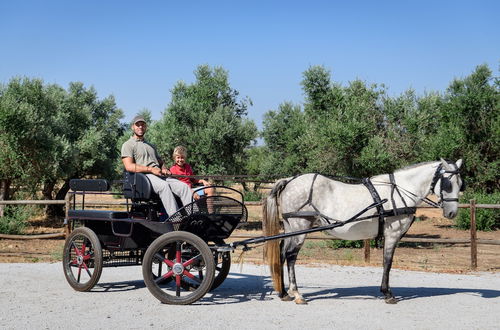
185	170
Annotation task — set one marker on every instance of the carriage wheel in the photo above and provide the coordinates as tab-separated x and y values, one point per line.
82	259
222	262
178	268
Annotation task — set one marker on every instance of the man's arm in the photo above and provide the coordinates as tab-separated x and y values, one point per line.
131	166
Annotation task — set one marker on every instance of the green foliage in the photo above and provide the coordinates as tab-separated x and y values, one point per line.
473	105
284	132
256	157
253	196
209	119
50	135
15	219
486	219
340	244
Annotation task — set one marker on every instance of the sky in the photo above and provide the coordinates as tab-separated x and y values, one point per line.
138	50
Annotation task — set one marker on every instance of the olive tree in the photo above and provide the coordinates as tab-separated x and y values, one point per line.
50	135
209	119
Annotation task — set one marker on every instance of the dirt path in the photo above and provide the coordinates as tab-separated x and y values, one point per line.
36	296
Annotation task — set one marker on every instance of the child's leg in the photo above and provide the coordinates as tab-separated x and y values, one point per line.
210	203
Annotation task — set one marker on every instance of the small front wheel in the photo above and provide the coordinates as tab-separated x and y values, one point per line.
223	265
82	259
178	268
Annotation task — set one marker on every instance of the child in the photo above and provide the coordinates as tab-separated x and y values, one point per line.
180	167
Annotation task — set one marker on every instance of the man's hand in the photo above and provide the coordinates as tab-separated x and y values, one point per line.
165	171
155	171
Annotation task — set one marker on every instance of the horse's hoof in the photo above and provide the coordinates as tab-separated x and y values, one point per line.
391	300
300	301
286	298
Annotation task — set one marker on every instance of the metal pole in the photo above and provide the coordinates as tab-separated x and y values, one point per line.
473	235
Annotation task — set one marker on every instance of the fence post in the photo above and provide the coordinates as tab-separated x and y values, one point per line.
473	235
67	206
366	244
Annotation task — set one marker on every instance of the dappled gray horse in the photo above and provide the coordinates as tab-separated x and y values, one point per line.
314	200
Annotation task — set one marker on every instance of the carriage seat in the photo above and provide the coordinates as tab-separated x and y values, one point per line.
137	187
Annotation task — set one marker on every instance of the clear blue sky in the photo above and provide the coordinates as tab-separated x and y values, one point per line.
138	50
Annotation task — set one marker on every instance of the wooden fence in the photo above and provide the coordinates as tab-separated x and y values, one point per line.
473	241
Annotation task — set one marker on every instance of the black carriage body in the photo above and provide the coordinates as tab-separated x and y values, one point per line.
125	235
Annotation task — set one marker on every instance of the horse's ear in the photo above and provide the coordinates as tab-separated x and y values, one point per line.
446	166
458	163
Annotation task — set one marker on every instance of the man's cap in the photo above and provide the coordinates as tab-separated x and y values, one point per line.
137	119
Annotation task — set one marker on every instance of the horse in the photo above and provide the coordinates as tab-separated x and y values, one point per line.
311	200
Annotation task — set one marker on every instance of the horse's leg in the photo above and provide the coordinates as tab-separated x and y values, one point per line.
291	248
283	294
389	248
392	235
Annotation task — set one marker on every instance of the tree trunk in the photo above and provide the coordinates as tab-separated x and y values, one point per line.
4	193
48	188
58	210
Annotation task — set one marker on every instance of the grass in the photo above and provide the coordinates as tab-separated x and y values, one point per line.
15	219
57	254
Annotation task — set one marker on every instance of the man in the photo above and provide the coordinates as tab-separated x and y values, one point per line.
139	156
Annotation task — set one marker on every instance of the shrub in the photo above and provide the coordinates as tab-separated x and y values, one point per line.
486	219
15	219
339	244
253	196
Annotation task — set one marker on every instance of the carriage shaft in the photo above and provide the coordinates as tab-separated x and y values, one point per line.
262	239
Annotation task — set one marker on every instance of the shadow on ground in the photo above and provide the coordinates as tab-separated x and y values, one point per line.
238	288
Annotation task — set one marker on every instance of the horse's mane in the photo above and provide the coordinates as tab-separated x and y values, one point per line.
414	166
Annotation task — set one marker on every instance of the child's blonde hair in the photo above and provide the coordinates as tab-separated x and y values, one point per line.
179	150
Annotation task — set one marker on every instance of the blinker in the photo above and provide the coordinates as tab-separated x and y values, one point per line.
446	185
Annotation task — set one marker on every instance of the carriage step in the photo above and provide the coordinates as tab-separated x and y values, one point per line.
97	215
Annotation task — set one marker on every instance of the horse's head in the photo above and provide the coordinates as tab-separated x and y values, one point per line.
447	184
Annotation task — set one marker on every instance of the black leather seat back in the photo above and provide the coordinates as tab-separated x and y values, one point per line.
99	185
137	187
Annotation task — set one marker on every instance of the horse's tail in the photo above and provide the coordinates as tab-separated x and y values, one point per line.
271	226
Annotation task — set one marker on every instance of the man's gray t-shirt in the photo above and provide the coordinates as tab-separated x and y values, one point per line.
142	152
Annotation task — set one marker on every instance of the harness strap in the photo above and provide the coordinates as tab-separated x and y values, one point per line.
380	209
402	210
308	214
309	199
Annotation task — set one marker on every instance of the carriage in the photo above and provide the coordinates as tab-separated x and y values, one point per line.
180	254
184	255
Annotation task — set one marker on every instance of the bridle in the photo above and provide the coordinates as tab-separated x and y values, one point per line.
445	185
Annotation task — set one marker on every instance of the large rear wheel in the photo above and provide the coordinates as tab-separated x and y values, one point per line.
178	268
82	259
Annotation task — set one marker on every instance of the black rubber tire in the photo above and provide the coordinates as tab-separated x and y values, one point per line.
222	267
82	267
196	261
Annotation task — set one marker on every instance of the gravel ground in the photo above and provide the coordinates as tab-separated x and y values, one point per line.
36	296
